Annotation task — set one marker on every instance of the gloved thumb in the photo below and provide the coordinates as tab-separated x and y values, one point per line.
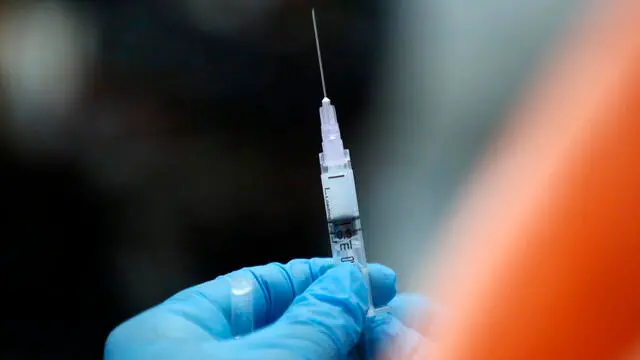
324	322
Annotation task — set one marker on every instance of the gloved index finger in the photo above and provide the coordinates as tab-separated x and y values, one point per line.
276	285
325	322
280	284
253	297
383	284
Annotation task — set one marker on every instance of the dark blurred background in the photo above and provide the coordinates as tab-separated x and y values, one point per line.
146	146
151	145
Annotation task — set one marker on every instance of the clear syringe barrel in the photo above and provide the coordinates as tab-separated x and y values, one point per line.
340	198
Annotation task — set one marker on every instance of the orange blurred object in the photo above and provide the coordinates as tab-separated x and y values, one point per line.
545	251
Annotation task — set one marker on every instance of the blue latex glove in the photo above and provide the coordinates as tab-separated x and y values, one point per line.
306	309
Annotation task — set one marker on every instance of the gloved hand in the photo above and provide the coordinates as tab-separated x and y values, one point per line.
306	309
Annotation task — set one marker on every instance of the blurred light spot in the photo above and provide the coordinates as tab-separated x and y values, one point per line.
44	52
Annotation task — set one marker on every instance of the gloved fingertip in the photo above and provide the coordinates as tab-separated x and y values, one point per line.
383	284
342	287
347	280
383	272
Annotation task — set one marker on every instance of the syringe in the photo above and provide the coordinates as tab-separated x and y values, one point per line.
338	186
